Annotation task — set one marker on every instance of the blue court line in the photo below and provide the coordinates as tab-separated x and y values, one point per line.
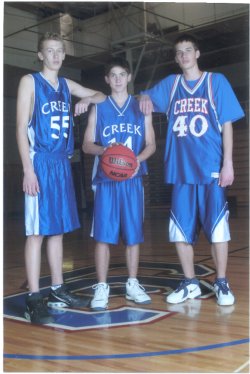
128	355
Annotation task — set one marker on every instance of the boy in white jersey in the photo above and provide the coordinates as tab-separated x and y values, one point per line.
45	142
118	206
200	108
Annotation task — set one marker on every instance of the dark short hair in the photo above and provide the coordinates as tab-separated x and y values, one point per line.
117	61
187	38
49	36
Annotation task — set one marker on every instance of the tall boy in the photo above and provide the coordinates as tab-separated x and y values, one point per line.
45	141
200	107
118	206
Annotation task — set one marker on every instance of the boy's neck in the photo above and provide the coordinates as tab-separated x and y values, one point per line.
192	74
119	97
50	75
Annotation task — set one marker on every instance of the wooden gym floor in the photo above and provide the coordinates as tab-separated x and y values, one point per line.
195	336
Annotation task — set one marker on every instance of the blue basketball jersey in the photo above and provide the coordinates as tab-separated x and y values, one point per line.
51	125
124	125
54	210
196	112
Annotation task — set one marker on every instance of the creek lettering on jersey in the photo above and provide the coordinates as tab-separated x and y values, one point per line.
55	106
193	105
120	128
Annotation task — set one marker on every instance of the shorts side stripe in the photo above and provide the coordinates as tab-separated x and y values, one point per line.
176	234
31	215
220	216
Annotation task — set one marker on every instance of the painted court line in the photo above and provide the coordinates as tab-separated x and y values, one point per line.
242	367
127	355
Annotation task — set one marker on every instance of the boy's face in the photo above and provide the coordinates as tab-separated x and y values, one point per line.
118	79
186	55
52	54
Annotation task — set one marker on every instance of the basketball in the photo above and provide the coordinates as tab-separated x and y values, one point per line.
118	162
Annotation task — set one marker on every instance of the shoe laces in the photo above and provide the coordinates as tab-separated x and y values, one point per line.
223	286
64	293
136	285
184	283
35	301
62	289
100	290
39	307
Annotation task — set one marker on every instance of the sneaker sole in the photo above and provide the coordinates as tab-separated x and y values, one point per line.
225	303
195	293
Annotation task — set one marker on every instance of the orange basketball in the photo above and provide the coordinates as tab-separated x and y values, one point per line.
118	162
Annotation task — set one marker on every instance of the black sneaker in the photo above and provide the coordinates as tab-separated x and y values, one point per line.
63	298
36	310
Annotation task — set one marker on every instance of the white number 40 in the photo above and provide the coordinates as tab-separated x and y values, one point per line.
181	127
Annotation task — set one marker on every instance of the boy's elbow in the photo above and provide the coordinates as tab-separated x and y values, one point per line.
153	148
89	147
84	148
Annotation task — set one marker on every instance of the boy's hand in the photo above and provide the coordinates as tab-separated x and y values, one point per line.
226	177
137	169
82	106
145	105
116	143
110	145
30	184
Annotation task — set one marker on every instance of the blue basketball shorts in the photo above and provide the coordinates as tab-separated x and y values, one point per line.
54	210
196	206
119	212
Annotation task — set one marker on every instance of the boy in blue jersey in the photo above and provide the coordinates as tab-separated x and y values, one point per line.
200	109
45	142
118	206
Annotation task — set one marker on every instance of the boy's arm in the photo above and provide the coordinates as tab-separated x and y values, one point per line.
226	177
24	105
88	145
87	96
145	104
150	145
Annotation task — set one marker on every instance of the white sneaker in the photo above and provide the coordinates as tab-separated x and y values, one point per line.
101	296
223	293
136	293
188	289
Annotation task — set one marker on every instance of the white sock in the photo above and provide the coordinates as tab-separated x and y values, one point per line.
132	279
55	287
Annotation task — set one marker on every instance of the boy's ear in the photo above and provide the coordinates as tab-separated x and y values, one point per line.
129	77
198	53
106	79
40	56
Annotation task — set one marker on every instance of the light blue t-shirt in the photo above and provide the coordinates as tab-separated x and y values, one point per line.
196	112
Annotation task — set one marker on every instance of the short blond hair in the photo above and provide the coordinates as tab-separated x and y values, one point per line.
49	36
